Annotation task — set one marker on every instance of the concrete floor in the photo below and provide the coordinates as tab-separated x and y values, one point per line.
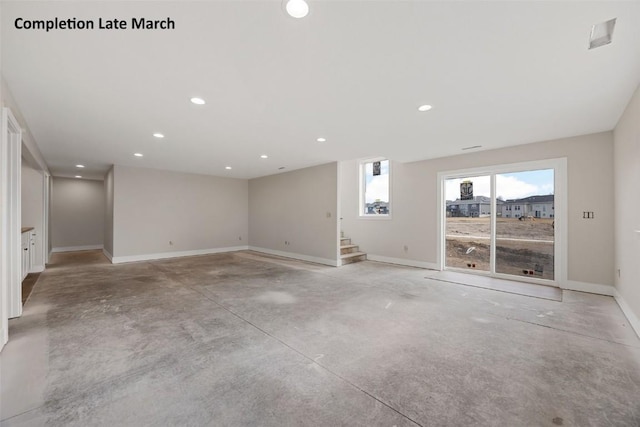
245	339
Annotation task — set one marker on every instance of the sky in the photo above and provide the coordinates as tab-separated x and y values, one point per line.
508	186
377	187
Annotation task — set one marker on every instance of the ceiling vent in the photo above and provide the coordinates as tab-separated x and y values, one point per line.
601	34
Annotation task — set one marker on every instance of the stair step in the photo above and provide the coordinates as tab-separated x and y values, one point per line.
353	257
347	249
345	241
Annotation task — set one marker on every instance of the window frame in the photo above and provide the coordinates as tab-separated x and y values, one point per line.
362	189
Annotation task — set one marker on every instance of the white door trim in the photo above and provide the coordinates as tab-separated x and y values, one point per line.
560	215
10	258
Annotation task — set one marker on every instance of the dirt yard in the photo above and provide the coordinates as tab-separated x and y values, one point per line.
523	248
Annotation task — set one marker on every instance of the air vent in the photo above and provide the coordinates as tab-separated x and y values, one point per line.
602	34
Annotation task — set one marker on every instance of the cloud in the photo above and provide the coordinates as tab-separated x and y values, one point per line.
507	187
377	188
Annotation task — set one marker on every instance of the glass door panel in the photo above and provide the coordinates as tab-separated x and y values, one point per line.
525	224
468	223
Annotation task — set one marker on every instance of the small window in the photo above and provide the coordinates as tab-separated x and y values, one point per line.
375	194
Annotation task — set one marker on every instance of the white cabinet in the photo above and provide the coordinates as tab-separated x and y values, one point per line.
26	254
28	250
32	249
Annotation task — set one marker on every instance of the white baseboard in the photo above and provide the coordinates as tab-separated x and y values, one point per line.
107	254
592	288
36	269
324	261
401	261
164	255
633	319
77	248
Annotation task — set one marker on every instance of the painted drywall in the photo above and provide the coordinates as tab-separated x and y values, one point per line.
627	209
108	213
414	220
295	213
32	152
196	213
32	210
30	147
77	214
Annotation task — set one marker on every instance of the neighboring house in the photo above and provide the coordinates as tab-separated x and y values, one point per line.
532	206
381	208
480	206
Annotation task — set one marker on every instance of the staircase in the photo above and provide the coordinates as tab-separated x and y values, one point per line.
350	253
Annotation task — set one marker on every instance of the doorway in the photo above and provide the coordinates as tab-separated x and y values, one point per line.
505	221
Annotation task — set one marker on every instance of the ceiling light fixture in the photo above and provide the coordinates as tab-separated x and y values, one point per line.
425	107
78	176
79	166
297	8
321	139
264	156
137	154
472	147
227	167
601	34
198	101
158	135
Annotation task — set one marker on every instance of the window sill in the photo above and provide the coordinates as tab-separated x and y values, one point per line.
375	217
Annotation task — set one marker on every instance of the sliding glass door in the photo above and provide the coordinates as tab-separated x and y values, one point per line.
525	233
468	223
502	221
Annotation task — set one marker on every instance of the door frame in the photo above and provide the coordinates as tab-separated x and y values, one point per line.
559	165
10	222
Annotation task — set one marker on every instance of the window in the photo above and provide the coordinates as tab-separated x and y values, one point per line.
375	193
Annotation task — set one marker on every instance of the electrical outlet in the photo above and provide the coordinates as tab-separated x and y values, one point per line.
328	214
406	248
587	214
170	243
239	237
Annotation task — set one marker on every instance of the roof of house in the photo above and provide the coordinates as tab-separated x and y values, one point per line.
532	199
476	199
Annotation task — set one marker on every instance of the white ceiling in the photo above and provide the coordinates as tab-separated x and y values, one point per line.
354	72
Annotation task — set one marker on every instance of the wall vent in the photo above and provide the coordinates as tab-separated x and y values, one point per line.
602	34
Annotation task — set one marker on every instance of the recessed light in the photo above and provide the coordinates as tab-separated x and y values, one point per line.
79	166
78	176
321	139
280	168
198	101
158	135
297	8
425	107
137	154
264	156
227	167
472	147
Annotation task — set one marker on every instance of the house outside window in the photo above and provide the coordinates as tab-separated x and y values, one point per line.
375	188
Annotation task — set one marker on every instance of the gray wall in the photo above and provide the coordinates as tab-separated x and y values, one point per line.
77	213
414	203
627	219
32	209
194	212
299	207
108	213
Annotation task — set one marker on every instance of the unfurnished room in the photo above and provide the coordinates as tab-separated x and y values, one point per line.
319	213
